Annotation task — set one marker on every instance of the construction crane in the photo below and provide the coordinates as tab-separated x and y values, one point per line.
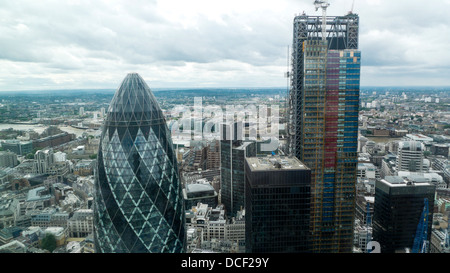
368	237
351	10
324	5
420	241
447	239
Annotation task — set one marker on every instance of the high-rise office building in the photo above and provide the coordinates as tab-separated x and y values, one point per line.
139	201
397	211
410	156
323	121
233	152
43	159
277	208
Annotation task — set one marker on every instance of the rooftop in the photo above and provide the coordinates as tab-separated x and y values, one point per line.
35	194
15	141
191	188
397	181
243	145
57	231
411	145
419	137
275	162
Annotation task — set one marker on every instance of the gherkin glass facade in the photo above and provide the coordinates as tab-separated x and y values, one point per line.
138	195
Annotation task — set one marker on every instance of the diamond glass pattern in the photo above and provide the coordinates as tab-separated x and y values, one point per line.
138	201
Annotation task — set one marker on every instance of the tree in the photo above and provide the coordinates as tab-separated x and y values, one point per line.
49	242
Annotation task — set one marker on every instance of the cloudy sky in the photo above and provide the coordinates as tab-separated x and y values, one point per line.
71	44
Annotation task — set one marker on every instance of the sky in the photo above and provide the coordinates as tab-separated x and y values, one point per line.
78	44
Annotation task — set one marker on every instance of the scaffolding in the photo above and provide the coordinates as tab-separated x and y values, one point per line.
313	119
341	33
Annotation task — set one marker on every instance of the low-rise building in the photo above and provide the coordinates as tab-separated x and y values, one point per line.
84	167
9	211
40	195
8	159
50	217
13	247
200	192
361	236
81	224
59	233
18	147
439	241
208	228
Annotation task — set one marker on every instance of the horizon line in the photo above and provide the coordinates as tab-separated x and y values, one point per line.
217	87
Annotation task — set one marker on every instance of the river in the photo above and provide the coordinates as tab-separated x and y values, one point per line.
39	128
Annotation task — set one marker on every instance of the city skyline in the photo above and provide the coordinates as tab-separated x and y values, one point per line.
225	159
76	44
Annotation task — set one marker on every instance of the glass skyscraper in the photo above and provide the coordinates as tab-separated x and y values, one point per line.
277	205
398	210
323	123
232	157
138	195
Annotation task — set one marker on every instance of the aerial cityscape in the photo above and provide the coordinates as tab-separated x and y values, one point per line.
323	160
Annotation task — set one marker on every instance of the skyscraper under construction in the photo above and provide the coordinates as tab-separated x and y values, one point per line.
323	121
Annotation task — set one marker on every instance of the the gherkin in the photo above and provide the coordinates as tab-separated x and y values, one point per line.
138	199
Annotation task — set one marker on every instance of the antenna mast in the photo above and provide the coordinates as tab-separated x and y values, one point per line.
324	5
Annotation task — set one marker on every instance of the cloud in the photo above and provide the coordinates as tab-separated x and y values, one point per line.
404	42
60	44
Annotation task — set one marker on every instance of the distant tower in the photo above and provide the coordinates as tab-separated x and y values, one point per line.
410	156
8	159
43	159
138	201
232	156
323	121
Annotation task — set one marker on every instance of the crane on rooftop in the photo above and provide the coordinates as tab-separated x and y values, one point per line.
351	10
324	5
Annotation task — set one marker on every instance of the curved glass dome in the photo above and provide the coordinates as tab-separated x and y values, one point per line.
138	199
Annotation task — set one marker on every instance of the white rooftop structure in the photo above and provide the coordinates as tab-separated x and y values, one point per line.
35	195
57	231
369	199
418	137
275	163
397	181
